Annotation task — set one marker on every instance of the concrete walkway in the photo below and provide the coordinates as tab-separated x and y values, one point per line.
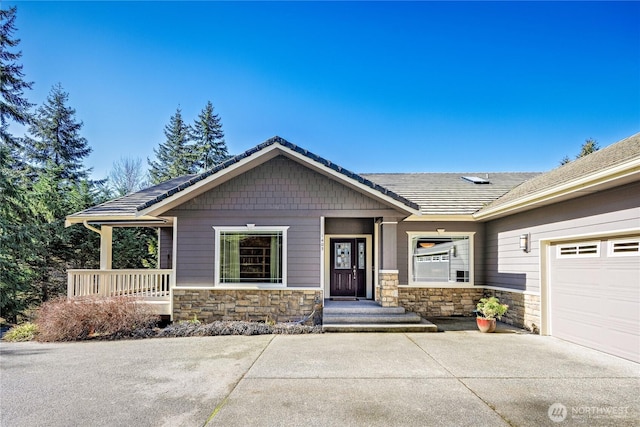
452	378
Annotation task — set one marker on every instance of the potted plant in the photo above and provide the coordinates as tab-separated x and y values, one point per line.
488	310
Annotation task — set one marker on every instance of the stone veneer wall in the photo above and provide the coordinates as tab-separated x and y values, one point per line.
439	302
387	289
524	309
280	305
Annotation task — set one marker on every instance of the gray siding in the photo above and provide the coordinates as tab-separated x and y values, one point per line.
450	227
165	250
280	192
508	266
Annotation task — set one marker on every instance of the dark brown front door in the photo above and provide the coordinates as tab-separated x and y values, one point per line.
348	266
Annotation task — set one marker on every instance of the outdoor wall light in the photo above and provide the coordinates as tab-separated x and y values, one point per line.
524	242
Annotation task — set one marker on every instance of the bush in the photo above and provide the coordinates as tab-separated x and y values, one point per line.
25	332
76	319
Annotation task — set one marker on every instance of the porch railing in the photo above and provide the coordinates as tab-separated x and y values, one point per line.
151	284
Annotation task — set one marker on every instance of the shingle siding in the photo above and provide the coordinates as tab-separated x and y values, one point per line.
280	192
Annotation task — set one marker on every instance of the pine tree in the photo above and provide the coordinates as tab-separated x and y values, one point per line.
55	140
208	139
175	157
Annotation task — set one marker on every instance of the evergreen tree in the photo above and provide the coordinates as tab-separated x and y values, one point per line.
55	150
55	140
13	105
175	157
590	146
17	232
208	139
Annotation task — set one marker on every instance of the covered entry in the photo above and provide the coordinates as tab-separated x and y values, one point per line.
594	294
348	257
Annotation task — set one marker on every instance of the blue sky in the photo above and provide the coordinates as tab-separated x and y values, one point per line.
372	86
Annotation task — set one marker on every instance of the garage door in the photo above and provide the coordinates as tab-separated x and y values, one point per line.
594	295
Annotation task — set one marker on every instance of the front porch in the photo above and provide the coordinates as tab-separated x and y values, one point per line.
151	286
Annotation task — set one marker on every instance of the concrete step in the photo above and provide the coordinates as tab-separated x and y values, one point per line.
370	318
423	326
363	309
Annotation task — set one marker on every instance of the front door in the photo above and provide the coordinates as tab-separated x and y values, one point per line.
348	267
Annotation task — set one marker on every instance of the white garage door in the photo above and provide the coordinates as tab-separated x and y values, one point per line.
594	295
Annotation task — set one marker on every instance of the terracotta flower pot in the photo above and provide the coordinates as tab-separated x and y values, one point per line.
486	325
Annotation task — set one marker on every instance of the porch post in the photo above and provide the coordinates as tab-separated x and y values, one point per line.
387	287
106	241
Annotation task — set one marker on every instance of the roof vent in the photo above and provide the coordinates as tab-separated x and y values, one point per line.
476	180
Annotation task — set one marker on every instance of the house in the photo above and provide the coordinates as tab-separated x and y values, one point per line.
276	231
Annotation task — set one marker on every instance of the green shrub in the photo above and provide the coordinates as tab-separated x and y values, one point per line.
24	332
76	319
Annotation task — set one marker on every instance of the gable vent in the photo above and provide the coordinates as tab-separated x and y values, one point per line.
476	179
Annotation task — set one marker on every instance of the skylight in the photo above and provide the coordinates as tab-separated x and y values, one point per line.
476	180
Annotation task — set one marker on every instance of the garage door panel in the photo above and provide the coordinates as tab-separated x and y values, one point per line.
595	300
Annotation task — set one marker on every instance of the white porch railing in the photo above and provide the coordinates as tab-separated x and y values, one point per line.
148	284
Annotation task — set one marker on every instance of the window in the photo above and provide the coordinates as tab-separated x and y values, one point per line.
439	258
251	255
624	248
579	250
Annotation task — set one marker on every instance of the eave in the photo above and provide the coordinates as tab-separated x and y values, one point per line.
614	176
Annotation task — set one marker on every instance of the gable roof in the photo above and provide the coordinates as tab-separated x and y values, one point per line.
611	166
143	203
309	156
450	193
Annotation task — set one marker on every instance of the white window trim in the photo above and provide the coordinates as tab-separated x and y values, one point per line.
560	255
611	244
469	284
248	229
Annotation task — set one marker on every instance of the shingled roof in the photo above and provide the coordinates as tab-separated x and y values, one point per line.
609	157
430	193
450	193
131	204
127	206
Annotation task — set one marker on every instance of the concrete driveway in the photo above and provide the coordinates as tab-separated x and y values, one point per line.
451	378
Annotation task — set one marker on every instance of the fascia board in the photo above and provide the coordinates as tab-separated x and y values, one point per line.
71	220
440	218
607	178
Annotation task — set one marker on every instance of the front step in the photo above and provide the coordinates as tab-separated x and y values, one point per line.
369	316
364	318
423	326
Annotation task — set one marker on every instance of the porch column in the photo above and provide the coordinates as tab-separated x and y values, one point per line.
106	251
389	240
387	288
